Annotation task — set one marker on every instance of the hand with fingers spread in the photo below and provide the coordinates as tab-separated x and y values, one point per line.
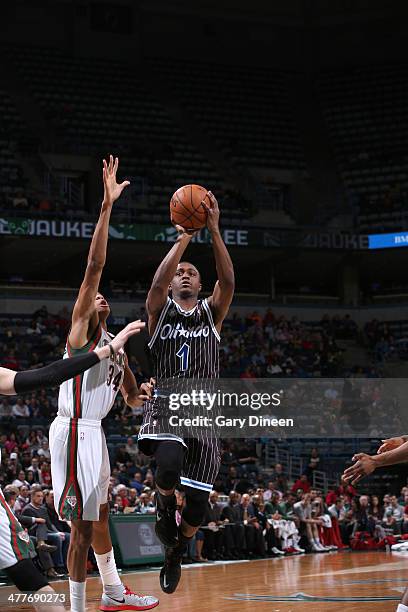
112	189
390	444
120	340
123	336
363	466
213	212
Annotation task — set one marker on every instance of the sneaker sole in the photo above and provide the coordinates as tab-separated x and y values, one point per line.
127	607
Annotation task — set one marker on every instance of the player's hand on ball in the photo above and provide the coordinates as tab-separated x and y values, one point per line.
123	336
363	466
112	189
213	212
183	232
390	444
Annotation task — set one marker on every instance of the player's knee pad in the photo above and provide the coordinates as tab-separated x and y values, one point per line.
26	576
196	505
169	457
167	479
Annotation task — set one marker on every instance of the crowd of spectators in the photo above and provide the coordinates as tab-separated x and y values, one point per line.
252	511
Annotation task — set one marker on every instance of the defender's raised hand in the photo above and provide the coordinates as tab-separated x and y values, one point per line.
112	189
123	336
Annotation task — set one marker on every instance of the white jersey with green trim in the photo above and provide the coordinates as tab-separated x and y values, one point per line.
91	394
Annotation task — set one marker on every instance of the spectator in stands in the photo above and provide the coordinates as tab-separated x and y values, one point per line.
308	525
397	511
61	526
20	409
273	545
137	482
10	443
22	499
20	480
234	535
232	480
131	449
364	521
132	498
46	473
280	478
390	524
46	531
36	472
145	505
313	463
269	491
44	451
121	491
376	510
254	542
214	534
347	490
301	483
13	466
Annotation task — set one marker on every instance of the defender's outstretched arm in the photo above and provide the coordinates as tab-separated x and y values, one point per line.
84	316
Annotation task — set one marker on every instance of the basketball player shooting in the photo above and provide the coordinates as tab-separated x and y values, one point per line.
391	452
15	552
185	335
79	455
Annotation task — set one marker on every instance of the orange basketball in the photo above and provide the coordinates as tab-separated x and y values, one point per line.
186	208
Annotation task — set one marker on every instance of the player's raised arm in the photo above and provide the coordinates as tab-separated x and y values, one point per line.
157	296
55	373
84	316
221	298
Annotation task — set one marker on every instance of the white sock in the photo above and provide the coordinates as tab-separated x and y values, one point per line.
77	595
112	584
402	608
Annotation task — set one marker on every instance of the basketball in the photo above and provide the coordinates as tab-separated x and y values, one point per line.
186	208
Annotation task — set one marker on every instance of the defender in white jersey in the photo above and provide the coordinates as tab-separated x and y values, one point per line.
15	549
80	490
79	456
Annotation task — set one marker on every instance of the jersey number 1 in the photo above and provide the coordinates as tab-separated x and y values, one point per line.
183	354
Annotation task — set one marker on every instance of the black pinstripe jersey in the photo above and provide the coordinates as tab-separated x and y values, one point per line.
185	344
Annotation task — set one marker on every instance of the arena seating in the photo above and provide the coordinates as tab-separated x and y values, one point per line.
246	110
98	107
367	120
11	129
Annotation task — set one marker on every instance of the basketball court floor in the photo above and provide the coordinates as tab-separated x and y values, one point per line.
332	581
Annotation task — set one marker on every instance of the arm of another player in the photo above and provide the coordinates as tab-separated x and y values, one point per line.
133	395
221	298
158	292
84	315
366	464
52	375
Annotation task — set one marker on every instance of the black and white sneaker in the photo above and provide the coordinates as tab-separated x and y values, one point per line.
170	573
166	526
